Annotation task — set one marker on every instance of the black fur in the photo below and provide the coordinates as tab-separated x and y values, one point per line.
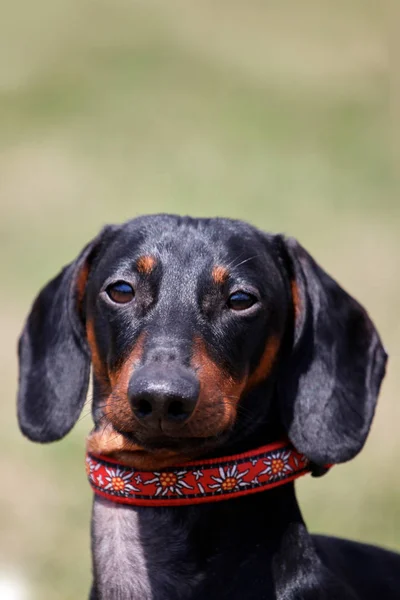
321	391
336	366
54	356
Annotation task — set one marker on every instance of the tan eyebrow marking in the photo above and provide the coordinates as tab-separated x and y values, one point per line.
220	274
145	264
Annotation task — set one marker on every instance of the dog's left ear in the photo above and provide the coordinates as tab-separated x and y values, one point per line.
330	381
54	357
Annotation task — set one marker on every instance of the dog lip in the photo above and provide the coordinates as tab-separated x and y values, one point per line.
169	443
149	454
109	440
173	431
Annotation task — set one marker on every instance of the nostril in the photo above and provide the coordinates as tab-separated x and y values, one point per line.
177	411
143	408
163	398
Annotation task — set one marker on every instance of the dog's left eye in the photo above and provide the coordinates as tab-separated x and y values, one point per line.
120	292
241	300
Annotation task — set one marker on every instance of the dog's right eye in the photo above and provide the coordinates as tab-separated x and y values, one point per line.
120	292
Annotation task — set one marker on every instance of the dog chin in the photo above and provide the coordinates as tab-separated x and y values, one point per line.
149	454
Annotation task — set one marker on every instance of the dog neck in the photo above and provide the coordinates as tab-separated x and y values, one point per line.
160	553
139	551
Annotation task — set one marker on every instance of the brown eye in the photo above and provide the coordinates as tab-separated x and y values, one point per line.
241	300
120	292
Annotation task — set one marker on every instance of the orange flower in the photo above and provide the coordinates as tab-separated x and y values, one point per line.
168	481
229	481
277	465
119	481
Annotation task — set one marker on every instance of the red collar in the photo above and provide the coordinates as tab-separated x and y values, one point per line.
199	481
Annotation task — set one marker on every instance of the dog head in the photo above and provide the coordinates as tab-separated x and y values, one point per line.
202	333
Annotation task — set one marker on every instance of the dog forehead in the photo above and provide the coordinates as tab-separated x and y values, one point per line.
184	241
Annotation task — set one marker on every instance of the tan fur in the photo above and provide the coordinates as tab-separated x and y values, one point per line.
219	395
220	274
266	363
145	264
295	298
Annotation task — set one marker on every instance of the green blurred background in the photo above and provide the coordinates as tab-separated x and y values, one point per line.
276	112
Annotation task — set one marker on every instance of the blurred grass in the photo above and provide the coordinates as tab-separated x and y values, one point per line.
278	113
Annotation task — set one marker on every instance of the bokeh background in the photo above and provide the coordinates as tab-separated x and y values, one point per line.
281	113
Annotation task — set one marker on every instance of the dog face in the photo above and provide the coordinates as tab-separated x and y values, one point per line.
182	321
202	334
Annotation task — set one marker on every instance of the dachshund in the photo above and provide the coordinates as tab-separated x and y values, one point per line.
207	339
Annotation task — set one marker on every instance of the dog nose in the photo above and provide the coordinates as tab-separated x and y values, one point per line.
163	395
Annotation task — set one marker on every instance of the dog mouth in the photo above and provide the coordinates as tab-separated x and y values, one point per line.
157	452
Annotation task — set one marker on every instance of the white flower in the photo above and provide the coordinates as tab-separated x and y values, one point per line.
277	465
169	481
229	481
91	468
119	482
198	473
302	459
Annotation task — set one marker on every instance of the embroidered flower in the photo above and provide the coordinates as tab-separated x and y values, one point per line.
118	481
168	481
229	480
198	473
255	481
100	480
91	467
138	479
201	489
300	459
254	461
277	465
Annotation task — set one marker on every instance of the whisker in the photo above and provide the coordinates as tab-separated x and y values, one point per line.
230	265
246	260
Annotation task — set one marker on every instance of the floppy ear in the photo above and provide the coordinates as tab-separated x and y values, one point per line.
330	383
54	357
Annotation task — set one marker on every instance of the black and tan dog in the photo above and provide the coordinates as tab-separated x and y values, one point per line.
208	338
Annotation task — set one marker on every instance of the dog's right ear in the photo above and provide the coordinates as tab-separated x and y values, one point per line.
54	357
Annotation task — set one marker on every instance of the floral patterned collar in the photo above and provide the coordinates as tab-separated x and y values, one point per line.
199	481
